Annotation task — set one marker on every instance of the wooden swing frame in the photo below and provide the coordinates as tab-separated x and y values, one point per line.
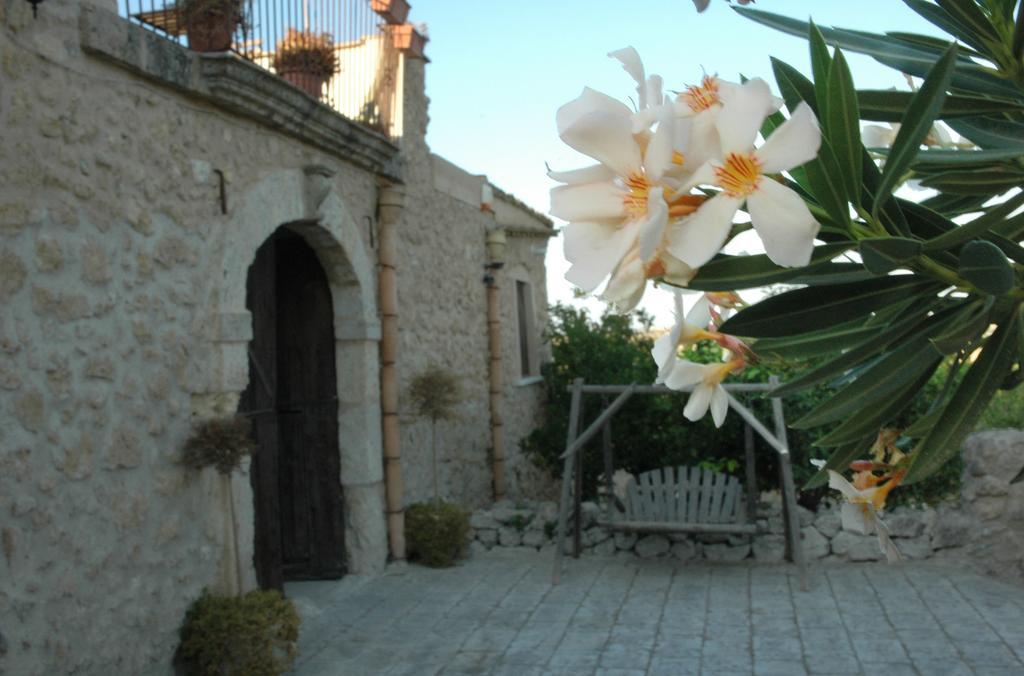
572	474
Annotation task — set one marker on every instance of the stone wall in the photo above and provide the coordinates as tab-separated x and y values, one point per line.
122	283
443	317
984	529
114	252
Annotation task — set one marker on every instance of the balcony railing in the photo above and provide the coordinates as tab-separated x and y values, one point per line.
342	52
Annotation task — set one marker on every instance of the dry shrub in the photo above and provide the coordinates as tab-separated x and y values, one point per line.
219	442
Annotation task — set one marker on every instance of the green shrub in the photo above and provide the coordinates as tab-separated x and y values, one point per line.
220	443
1005	410
251	635
650	430
436	533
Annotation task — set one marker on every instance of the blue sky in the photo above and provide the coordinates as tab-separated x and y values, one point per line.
500	69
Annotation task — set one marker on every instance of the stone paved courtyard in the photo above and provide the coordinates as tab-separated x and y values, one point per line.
498	614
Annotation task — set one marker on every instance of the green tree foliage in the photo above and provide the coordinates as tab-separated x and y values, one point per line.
954	313
650	431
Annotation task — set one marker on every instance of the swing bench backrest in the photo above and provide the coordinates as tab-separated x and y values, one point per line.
684	495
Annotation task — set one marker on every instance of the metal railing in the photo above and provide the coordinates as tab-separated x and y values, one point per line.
341	52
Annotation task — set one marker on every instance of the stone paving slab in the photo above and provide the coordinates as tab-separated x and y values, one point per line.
497	614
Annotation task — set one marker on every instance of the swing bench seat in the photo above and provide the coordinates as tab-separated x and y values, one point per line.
683	500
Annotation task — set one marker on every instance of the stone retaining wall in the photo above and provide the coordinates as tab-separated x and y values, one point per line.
985	528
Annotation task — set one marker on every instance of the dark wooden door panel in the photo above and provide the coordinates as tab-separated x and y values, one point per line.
292	398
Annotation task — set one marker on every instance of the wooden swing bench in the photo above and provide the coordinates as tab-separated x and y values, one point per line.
675	499
683	500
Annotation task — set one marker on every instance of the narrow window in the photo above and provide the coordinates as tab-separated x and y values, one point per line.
524	310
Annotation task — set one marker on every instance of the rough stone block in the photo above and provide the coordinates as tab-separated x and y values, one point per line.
544	512
915	548
488	536
652	545
952	529
723	552
686	550
49	255
625	541
12	275
974	487
814	543
906	523
367	548
856	547
1015	502
769	548
30	410
989	508
606	548
828	523
998	453
594	535
533	538
589	514
482	520
516	517
509	537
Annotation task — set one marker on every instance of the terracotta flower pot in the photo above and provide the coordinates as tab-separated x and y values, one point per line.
409	40
393	11
210	31
311	83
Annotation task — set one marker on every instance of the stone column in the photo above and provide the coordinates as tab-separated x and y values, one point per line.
359	437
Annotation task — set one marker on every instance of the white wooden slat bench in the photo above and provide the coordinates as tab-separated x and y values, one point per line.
683	500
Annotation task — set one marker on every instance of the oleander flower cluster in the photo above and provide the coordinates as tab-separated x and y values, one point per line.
864	498
671	174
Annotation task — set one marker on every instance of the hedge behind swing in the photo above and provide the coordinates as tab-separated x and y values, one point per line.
676	500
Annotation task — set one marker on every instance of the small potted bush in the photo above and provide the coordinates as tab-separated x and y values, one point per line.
306	59
436	532
253	634
210	24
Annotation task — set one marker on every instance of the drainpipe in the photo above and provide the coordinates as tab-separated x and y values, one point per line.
389	206
495	261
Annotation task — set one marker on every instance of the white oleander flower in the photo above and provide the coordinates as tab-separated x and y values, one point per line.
619	209
708	392
862	507
688	329
779	216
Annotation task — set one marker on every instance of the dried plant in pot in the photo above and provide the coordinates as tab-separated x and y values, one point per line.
220	443
210	24
306	59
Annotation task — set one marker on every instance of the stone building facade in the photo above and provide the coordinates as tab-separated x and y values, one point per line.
138	181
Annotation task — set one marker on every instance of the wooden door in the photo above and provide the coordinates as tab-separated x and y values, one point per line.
292	398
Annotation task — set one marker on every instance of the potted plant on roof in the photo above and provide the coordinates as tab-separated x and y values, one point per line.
393	11
306	59
210	24
410	39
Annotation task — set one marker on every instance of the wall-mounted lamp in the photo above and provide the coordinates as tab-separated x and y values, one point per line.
35	7
496	243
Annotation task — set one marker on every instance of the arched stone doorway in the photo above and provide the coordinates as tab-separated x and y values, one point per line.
220	373
292	399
